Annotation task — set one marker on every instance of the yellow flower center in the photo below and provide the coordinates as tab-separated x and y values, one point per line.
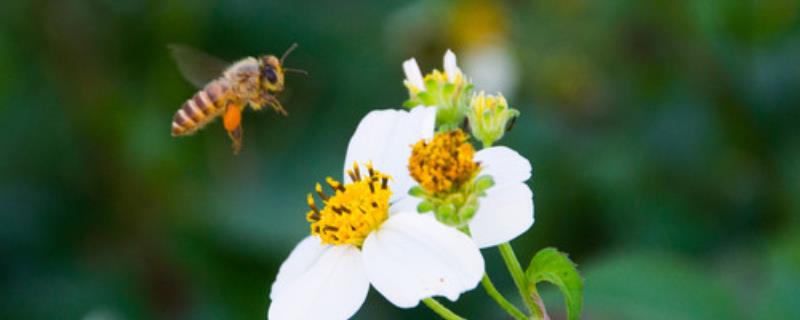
353	211
438	76
444	163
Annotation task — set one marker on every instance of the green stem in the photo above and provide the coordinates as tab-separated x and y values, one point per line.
501	301
515	269
441	310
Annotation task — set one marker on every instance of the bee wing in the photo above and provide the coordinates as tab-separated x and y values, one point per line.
198	67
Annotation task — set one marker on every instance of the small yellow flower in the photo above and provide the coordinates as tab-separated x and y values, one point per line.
444	163
483	192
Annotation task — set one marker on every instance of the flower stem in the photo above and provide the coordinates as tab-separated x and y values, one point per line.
441	310
520	280
501	301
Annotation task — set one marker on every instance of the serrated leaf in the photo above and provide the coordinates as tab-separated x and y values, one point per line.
555	267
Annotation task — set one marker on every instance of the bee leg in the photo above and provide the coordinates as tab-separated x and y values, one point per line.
233	124
236	139
277	105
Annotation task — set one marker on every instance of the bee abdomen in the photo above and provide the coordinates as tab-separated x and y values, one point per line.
198	111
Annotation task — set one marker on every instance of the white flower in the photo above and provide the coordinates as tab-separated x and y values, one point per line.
406	256
445	164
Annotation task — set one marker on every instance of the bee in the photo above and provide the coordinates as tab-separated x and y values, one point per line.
225	89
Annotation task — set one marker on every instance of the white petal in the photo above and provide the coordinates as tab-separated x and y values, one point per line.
504	213
405	204
319	281
450	65
504	165
413	256
302	257
385	137
413	75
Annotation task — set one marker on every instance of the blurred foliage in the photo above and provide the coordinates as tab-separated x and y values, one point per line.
663	136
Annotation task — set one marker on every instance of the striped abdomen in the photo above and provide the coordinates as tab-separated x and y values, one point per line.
198	111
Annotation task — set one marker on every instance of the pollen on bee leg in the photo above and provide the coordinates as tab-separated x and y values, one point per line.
276	105
233	117
236	139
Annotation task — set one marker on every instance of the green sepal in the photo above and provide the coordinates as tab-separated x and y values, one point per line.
417	192
555	267
425	206
448	89
483	183
446	213
467	212
431	84
411	103
446	210
427	98
468	89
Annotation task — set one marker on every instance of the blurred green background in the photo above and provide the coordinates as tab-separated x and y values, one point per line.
663	135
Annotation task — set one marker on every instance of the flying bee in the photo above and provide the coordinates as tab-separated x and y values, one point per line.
226	89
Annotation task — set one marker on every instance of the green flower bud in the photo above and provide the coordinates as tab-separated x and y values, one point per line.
488	117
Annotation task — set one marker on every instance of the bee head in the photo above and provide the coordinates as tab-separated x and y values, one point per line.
271	73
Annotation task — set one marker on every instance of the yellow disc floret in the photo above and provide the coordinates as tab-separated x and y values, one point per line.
444	163
353	211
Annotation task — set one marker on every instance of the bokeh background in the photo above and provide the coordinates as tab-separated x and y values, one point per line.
663	134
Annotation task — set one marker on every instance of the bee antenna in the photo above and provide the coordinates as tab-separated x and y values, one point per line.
300	71
288	51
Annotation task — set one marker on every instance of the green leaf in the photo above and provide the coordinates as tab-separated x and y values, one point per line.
552	266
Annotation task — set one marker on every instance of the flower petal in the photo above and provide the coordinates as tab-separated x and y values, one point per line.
329	278
413	256
413	74
505	213
384	137
405	204
450	66
504	165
